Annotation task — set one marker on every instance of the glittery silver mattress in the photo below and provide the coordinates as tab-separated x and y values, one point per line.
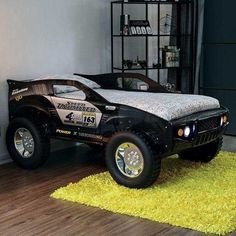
165	105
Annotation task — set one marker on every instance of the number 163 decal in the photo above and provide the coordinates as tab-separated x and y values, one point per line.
89	119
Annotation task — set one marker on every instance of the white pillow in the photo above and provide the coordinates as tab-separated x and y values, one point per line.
91	84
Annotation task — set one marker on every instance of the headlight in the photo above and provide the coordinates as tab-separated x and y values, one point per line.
222	121
225	119
180	132
194	128
187	132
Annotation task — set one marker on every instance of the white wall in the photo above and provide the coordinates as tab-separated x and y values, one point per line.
41	37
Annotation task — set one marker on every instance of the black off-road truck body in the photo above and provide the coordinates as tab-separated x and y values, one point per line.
137	120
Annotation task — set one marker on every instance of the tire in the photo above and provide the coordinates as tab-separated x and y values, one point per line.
151	164
204	153
41	143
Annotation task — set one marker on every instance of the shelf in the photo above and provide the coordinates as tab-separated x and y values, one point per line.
177	38
153	2
151	35
151	68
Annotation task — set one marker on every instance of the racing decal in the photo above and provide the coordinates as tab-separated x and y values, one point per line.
79	134
66	132
89	119
86	135
17	91
71	118
75	106
77	113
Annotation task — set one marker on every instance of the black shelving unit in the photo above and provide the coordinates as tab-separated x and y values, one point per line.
180	36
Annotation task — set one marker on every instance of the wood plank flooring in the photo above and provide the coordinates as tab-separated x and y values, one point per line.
26	208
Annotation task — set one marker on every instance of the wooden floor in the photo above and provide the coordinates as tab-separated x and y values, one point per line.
26	208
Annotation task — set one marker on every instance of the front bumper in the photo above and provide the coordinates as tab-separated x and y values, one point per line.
207	129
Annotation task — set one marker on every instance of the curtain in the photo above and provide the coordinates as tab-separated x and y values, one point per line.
199	19
186	44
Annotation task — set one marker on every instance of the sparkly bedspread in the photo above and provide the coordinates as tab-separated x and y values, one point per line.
165	105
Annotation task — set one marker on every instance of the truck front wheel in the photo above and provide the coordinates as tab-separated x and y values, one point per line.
131	160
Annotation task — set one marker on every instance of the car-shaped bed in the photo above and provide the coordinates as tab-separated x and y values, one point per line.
135	120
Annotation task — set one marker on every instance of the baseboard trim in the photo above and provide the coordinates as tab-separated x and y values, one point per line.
229	143
4	159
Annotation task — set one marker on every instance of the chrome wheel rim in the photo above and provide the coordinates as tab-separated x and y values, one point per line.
129	160
24	143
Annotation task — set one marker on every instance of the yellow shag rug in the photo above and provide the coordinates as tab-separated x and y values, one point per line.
201	197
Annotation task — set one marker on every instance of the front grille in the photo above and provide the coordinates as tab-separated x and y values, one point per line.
208	124
207	137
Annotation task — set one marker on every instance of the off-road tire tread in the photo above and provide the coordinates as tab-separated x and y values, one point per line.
42	136
156	165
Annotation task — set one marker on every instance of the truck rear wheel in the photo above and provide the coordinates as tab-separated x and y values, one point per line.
205	153
27	143
131	160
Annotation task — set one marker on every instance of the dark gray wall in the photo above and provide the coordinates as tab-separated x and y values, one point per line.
218	77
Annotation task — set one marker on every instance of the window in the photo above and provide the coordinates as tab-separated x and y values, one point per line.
67	91
132	84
